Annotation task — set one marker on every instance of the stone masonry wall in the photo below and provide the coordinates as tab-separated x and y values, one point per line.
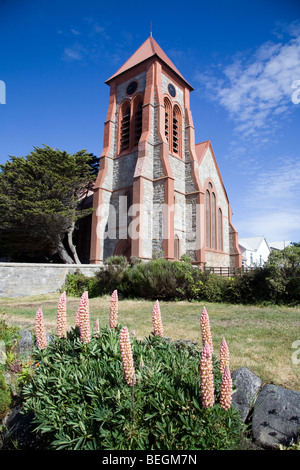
21	279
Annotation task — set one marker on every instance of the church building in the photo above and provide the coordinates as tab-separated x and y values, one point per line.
158	193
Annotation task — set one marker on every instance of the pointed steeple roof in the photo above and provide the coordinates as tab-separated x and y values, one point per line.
148	49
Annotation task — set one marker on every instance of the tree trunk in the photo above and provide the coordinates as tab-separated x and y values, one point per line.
72	247
63	253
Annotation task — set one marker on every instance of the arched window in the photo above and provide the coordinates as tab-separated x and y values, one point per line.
125	127
130	123
220	230
138	114
173	127
176	247
213	220
211	217
207	219
168	118
176	130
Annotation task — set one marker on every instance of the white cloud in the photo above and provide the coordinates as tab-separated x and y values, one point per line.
256	90
76	52
271	203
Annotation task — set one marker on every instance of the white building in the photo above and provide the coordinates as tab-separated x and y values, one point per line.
255	251
279	245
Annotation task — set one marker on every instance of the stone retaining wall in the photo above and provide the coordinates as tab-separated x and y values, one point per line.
20	279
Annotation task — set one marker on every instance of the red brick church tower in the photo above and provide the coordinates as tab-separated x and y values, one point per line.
157	192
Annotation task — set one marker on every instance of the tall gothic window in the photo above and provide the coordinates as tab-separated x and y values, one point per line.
211	218
207	219
138	113
173	127
176	247
131	123
220	230
176	130
168	118
125	127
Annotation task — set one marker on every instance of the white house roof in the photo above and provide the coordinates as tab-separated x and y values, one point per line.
279	245
251	243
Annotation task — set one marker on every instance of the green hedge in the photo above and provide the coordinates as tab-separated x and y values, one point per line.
180	280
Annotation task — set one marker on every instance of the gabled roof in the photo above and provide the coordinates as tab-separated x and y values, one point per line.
201	150
279	245
252	243
148	49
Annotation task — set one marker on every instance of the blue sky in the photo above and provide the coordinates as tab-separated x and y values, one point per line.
242	58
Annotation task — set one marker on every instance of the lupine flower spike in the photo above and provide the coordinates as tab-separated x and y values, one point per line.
40	333
127	357
62	316
96	328
113	315
85	332
226	390
206	375
224	356
156	320
77	318
205	330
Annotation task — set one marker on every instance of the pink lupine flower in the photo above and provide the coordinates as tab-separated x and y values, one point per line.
113	315
156	320
40	333
77	318
206	375
85	332
127	357
224	356
205	330
62	316
226	390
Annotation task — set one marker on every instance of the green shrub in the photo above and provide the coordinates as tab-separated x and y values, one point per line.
161	279
77	283
216	288
110	276
81	400
8	333
5	396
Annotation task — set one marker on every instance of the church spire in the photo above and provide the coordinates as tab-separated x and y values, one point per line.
147	50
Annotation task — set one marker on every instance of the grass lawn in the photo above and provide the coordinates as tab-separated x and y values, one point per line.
259	338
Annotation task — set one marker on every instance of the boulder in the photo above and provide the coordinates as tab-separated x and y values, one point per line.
276	416
25	343
247	385
19	429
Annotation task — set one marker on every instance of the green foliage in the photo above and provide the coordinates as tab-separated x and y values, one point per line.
81	400
276	282
8	333
111	275
283	274
5	395
39	196
161	279
77	283
216	288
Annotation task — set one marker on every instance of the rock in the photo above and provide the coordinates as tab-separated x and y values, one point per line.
247	385
19	429
276	417
25	343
